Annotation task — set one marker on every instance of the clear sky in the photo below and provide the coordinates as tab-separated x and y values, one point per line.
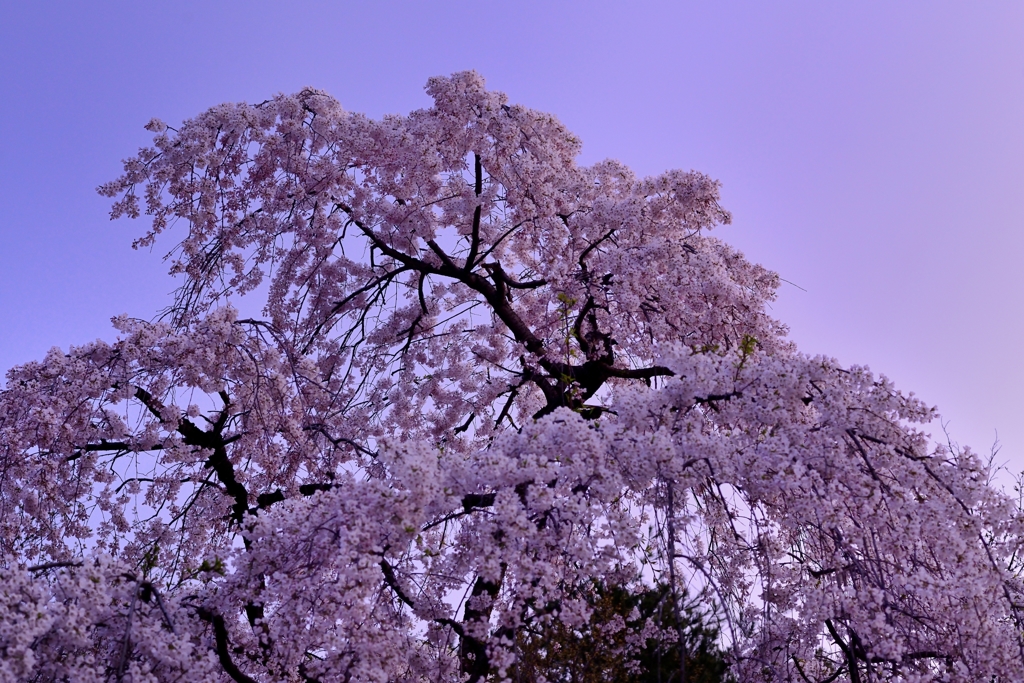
871	152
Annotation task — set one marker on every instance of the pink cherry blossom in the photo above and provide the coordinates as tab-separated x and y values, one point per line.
424	378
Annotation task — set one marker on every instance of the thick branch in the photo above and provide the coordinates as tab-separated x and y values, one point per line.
851	660
392	581
220	634
212	440
473	658
474	239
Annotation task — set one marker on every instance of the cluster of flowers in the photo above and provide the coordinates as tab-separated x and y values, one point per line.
469	379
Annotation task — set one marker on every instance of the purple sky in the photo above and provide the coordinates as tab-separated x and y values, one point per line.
871	153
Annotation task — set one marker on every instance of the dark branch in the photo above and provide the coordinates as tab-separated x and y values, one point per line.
220	633
392	581
53	565
212	440
474	239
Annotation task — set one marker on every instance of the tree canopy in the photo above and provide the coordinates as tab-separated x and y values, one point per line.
434	402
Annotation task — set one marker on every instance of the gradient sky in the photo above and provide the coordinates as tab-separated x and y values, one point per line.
871	152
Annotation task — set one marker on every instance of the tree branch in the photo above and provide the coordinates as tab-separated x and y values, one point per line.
220	633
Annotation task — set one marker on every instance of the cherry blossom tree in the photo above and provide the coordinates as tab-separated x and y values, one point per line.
429	390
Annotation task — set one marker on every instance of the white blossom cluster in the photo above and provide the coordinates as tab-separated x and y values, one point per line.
478	378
